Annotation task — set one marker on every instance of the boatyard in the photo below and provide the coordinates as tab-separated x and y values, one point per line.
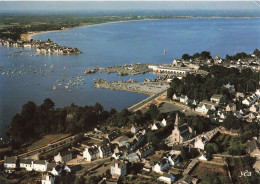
150	88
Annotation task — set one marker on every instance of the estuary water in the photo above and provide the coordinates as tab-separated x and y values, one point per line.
31	77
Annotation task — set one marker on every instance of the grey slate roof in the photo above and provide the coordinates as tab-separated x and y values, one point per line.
40	162
26	161
10	160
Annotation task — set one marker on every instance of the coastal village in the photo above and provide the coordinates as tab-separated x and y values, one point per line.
128	154
41	47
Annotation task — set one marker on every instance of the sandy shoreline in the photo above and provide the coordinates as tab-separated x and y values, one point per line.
29	36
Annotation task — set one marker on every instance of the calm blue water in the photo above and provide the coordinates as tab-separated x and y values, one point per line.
110	44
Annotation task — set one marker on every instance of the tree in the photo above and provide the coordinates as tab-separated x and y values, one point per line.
186	57
153	111
48	103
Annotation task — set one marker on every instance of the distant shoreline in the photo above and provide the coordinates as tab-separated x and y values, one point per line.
29	36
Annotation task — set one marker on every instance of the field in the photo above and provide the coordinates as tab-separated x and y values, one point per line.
209	173
47	139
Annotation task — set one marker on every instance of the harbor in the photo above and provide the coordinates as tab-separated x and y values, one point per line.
150	88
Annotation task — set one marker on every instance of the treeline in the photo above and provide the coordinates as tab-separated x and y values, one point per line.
203	55
34	121
202	88
243	55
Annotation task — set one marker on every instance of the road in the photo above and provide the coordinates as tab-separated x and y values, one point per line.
145	102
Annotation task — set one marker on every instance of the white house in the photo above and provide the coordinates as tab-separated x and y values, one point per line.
27	164
163	123
204	107
176	97
63	156
91	153
10	163
199	143
183	99
40	165
134	129
118	168
203	158
216	98
56	171
167	178
48	179
173	160
155	126
161	166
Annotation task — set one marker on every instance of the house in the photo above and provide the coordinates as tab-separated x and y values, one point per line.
10	163
136	141
231	88
216	98
27	164
254	108
113	135
200	143
132	157
118	168
180	133
148	166
40	165
120	149
176	97
231	107
163	123
184	99
63	156
105	151
91	153
134	129
47	179
205	106
250	100
167	178
156	126
173	159
203	158
161	166
145	151
254	149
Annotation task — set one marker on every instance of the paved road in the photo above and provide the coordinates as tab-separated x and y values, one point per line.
145	101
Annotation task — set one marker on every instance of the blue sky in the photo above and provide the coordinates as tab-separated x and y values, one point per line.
126	5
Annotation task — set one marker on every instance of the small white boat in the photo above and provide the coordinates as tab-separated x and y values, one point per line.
59	84
54	87
67	87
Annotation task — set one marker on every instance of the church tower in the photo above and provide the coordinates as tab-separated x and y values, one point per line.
176	132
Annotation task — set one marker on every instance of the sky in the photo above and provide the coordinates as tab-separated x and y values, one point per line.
126	5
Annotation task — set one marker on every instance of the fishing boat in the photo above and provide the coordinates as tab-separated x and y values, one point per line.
59	84
54	87
67	87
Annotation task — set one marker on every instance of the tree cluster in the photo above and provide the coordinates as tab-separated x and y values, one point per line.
34	121
202	88
202	56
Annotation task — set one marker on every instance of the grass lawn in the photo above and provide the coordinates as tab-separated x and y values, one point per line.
208	173
47	139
